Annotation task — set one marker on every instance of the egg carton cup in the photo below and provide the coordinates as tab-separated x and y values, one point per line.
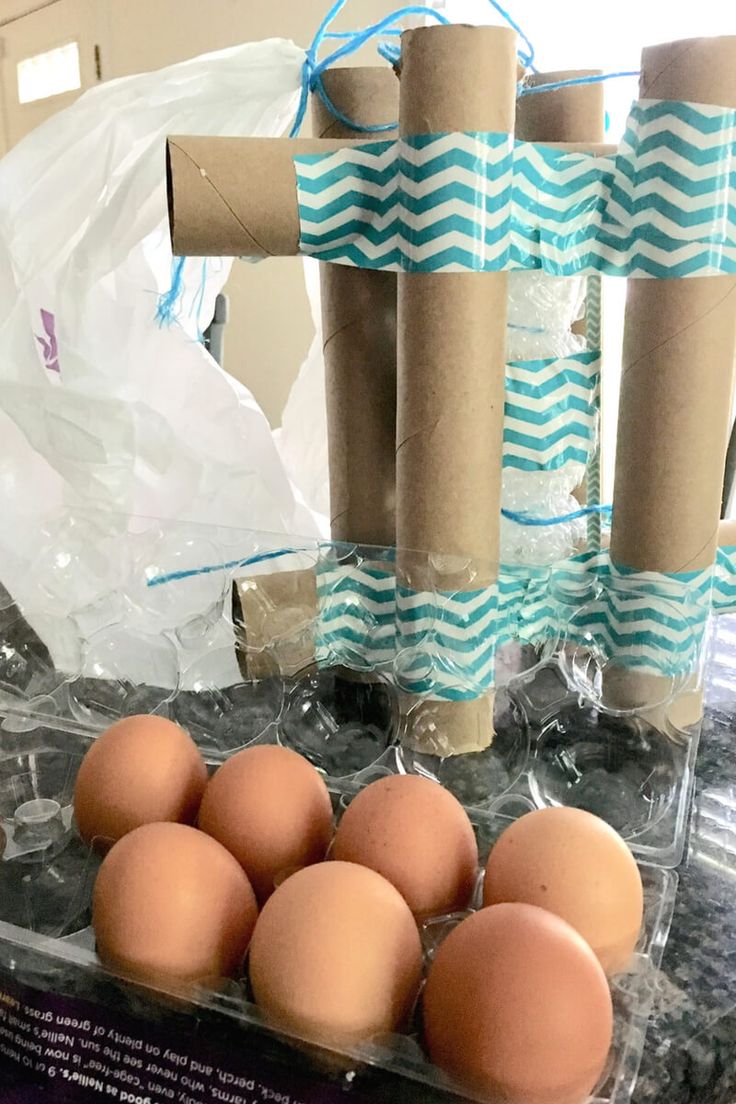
46	943
141	616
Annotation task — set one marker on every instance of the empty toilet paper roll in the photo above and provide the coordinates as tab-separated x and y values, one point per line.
572	114
275	615
235	197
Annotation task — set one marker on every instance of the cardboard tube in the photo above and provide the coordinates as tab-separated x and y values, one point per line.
367	94
727	533
451	364
679	339
235	197
598	149
359	341
275	614
572	114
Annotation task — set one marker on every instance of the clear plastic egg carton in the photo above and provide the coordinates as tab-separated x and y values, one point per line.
124	616
47	943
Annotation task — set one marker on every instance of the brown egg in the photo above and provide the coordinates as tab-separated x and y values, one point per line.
575	865
171	904
517	1008
418	836
140	771
336	955
272	811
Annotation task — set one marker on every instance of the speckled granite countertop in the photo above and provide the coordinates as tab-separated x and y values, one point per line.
690	1053
691	1045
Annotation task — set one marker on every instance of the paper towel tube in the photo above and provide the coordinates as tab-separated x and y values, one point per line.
359	340
678	357
676	387
451	363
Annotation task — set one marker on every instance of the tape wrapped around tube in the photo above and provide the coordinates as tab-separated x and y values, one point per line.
663	206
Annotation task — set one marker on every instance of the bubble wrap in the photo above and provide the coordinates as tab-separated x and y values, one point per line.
541	310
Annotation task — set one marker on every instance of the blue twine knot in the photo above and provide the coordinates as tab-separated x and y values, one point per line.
313	69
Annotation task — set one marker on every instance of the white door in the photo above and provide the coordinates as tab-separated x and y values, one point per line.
47	58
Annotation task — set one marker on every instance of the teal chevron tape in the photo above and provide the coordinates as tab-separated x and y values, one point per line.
443	644
357	616
664	205
446	642
550	411
724	581
653	622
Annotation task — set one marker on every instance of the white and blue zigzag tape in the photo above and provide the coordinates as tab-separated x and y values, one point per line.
664	205
442	645
550	412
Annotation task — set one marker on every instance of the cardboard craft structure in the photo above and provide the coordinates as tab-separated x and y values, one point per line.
438	339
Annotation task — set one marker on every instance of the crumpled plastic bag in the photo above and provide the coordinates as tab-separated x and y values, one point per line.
101	406
302	436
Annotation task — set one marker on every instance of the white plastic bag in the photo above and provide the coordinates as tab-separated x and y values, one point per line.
302	436
100	406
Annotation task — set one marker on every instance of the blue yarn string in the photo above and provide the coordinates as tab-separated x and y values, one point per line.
168	302
310	61
350	34
531	90
528	519
353	40
312	69
527	59
376	128
210	569
389	52
375	30
277	553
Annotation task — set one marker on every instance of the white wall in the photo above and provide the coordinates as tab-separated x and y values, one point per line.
25	32
147	34
270	326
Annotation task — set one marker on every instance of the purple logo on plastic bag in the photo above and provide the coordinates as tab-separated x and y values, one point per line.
48	343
